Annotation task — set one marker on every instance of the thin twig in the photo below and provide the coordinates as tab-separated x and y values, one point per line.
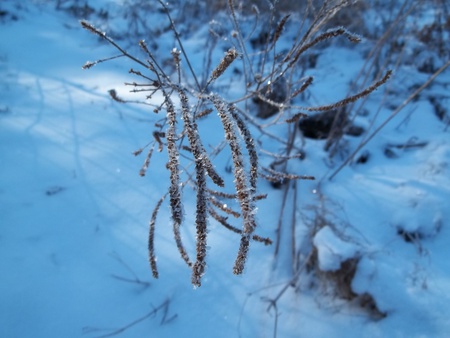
177	36
393	114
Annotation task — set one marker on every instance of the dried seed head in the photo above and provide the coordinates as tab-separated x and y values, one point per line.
113	94
279	28
355	97
151	239
296	117
88	65
203	113
305	85
146	163
230	56
86	25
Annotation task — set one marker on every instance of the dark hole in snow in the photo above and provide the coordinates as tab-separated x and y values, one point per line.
260	40
409	236
363	158
7	16
278	184
321	125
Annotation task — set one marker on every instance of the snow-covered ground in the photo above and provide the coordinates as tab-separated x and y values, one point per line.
75	212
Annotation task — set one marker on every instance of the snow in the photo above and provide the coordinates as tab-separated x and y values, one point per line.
75	212
332	251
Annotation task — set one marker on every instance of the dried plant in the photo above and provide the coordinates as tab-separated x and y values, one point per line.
178	133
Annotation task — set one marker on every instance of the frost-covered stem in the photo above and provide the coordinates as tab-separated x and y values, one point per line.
151	239
195	143
249	144
146	162
223	221
201	224
278	175
243	191
174	189
334	105
355	97
201	213
324	36
222	206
